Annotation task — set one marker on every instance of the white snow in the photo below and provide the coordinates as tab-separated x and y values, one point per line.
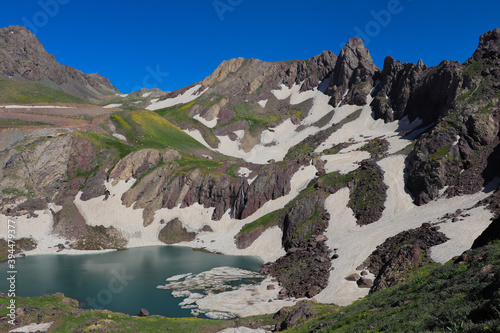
249	301
210	124
365	128
122	95
244	172
178	277
263	103
40	229
281	138
461	233
355	243
112	106
146	94
344	162
34	327
120	137
296	97
187	97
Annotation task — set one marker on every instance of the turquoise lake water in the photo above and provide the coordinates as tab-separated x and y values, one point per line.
123	281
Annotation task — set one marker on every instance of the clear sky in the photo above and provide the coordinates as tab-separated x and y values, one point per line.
173	43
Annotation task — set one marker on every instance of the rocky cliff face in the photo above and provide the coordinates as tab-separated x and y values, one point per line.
352	75
24	57
460	150
170	185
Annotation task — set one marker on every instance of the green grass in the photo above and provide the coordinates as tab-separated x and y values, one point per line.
67	318
147	129
8	123
198	162
231	170
107	141
266	221
246	111
14	91
441	152
16	192
475	68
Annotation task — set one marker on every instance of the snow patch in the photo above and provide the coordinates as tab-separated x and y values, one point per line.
120	137
187	97
354	243
210	124
344	162
34	327
112	106
244	172
263	103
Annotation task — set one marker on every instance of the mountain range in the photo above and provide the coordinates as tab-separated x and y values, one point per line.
345	178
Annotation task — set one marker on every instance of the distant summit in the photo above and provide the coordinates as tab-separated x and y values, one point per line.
23	57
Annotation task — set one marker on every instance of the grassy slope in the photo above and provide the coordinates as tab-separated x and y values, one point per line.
68	318
146	129
22	92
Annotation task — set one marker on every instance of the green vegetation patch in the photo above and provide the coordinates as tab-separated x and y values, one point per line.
266	221
107	141
14	91
68	318
441	152
147	129
8	123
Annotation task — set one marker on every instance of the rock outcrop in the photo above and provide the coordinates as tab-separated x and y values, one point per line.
24	57
400	254
460	150
168	186
305	269
174	232
352	77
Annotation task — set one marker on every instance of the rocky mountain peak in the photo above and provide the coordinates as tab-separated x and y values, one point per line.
489	46
224	69
352	75
24	57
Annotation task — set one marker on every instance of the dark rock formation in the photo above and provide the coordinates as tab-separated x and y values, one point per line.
461	149
24	57
143	313
303	219
304	271
352	74
490	234
396	83
399	254
290	317
174	232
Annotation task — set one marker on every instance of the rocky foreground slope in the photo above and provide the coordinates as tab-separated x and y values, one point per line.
341	175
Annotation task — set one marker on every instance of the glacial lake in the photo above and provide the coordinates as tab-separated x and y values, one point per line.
122	281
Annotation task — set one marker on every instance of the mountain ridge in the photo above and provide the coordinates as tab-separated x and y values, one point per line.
342	176
24	57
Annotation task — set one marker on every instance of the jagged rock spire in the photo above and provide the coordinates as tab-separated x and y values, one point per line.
353	71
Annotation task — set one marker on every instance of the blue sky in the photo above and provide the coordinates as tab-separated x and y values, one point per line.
172	43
